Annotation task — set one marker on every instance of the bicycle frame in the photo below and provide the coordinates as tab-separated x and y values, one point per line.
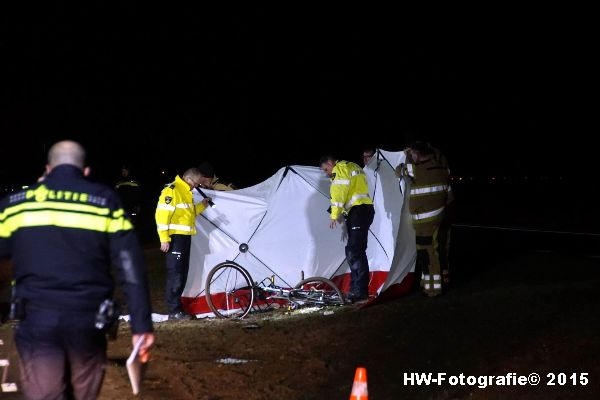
296	297
225	297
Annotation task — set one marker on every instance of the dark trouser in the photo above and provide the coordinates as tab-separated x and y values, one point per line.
62	355
358	221
444	249
178	263
428	258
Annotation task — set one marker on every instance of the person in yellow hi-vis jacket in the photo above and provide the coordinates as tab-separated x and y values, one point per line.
176	223
350	198
429	196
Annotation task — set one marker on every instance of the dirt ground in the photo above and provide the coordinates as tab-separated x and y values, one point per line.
529	310
532	308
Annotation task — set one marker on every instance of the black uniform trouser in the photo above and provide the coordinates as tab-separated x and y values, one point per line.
178	264
358	221
62	355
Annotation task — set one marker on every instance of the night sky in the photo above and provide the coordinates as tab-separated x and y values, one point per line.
254	89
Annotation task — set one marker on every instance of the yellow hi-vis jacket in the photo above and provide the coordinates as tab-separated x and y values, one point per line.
176	212
348	188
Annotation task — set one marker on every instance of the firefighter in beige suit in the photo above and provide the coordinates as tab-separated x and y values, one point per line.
429	195
208	180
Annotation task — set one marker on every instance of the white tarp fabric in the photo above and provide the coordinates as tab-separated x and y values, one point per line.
284	222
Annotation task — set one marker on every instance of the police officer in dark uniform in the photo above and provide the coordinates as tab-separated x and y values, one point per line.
62	234
129	190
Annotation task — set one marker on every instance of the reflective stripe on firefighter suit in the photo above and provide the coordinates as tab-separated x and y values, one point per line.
350	195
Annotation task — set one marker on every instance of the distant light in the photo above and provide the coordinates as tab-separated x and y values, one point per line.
162	172
460	178
133	214
25	187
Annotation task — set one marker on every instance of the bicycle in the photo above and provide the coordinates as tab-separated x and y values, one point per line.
232	293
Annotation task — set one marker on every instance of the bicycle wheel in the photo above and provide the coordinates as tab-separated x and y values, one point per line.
318	291
229	290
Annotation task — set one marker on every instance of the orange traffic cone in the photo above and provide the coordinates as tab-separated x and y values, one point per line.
359	388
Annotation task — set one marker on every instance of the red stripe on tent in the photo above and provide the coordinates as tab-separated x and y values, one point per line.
198	305
394	291
195	305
